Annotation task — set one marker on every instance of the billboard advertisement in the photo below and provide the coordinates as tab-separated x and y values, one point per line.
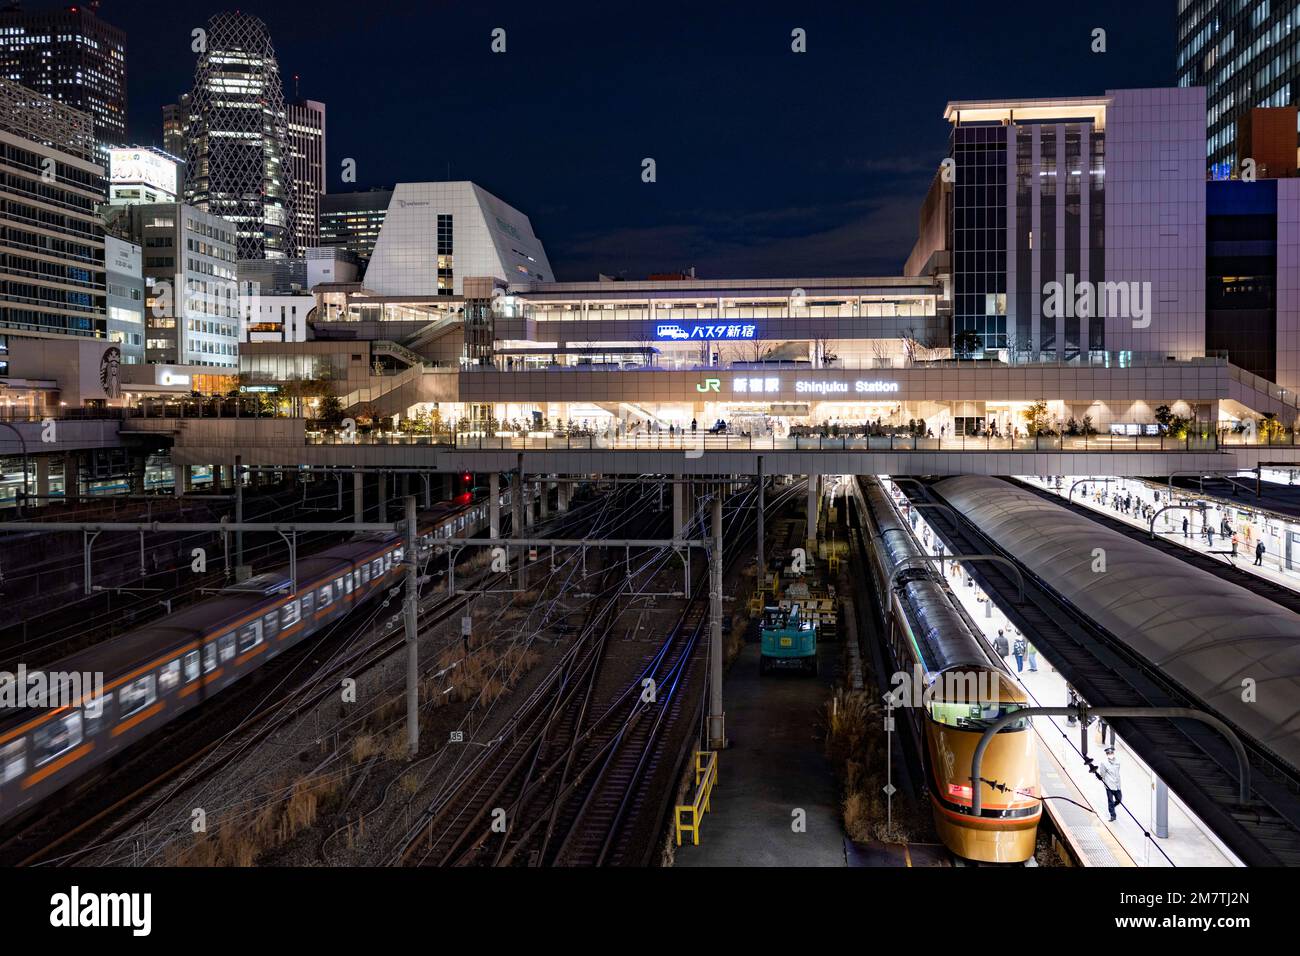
142	166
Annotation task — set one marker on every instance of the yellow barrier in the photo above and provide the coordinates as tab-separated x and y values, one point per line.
706	778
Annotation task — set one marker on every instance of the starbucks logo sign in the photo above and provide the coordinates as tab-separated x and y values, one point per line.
109	372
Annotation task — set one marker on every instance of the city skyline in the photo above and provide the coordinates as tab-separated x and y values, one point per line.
758	202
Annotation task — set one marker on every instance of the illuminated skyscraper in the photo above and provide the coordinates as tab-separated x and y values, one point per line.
237	137
74	57
307	169
1245	56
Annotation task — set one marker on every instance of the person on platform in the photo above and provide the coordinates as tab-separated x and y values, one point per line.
1260	551
1110	779
1031	655
1001	646
1018	649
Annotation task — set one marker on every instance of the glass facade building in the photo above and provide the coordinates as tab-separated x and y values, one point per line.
352	220
74	57
979	236
237	137
1246	55
52	275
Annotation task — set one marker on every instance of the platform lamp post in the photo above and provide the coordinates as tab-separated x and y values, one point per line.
23	442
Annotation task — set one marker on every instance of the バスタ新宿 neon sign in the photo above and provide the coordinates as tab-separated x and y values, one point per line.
719	331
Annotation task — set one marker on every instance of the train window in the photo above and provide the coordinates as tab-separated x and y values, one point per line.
94	712
975	716
326	597
136	696
209	657
250	635
397	556
289	615
365	574
192	666
308	602
271	621
227	646
377	567
13	760
388	562
57	737
169	676
347	582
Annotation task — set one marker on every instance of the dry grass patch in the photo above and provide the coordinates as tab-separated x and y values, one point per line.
236	842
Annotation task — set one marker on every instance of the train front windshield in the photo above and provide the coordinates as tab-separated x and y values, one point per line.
966	715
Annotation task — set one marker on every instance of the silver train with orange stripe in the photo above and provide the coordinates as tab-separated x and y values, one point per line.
963	688
154	674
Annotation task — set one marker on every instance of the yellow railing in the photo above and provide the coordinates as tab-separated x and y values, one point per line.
706	778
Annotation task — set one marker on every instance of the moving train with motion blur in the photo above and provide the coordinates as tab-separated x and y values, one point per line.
933	643
155	673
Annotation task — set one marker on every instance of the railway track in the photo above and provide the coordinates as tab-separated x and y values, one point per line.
95	820
581	775
137	806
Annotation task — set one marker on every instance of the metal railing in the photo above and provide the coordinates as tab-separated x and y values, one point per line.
702	441
666	362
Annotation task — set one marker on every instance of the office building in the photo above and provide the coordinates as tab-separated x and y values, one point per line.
124	264
1245	56
352	220
306	120
74	57
237	139
52	277
1073	228
191	293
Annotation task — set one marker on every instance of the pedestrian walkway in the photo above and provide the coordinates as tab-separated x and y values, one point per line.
1063	774
1280	562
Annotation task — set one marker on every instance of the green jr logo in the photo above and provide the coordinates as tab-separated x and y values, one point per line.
709	385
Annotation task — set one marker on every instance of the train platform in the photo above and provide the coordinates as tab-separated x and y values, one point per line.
773	767
1065	777
1075	799
1280	534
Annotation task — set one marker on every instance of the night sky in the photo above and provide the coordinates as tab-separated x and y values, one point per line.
770	163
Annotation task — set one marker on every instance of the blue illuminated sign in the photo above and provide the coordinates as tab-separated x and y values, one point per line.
674	331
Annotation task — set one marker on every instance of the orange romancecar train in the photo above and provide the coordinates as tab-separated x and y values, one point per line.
951	686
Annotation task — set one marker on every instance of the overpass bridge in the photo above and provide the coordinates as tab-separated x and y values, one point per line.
287	443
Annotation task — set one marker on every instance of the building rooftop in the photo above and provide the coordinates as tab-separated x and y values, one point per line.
1038	109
